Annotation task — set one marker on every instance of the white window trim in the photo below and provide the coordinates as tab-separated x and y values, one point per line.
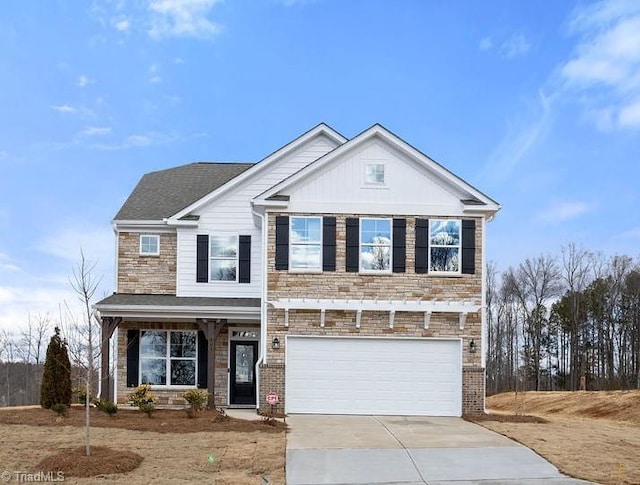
167	360
291	244
156	237
376	185
375	271
224	234
459	246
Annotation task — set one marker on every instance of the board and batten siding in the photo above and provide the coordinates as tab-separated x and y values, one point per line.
231	213
407	188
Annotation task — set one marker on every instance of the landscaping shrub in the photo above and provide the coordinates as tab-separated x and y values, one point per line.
60	409
81	394
143	398
56	378
196	399
106	406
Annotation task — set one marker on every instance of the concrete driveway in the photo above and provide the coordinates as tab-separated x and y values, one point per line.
345	450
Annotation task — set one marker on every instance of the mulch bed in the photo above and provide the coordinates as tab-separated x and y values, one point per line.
102	461
161	421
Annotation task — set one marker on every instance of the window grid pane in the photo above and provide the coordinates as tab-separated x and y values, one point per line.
165	353
444	245
223	258
375	244
306	243
149	244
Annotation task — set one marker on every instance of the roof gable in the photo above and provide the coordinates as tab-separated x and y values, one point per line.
320	130
159	195
343	172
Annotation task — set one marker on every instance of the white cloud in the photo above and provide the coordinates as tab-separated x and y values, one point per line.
140	140
96	130
84	81
606	62
562	211
485	44
155	80
516	46
95	241
6	265
121	24
178	60
182	18
63	108
520	138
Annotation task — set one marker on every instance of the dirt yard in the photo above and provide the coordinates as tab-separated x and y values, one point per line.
173	447
590	435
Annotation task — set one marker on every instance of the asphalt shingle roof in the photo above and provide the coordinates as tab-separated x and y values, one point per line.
128	299
164	193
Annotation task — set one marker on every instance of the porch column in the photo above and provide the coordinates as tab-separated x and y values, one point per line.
108	326
211	330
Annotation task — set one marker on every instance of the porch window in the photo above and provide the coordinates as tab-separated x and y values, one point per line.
375	245
224	257
305	243
168	358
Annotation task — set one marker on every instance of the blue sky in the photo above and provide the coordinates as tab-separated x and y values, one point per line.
535	103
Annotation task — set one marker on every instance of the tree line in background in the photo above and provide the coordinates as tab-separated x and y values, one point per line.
569	322
22	353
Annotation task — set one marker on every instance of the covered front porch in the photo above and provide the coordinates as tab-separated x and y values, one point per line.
179	343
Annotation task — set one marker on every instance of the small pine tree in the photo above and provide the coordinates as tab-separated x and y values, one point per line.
56	379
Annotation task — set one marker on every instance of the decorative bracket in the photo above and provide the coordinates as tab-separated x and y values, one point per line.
427	320
286	317
323	313
392	316
358	318
463	319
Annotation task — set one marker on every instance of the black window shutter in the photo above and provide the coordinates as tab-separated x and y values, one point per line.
328	243
202	258
422	245
468	246
244	259
282	242
399	245
353	244
203	358
133	357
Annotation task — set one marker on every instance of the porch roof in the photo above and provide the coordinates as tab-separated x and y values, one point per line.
142	306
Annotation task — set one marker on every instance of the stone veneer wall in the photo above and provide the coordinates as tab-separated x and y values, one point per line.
342	285
146	274
169	396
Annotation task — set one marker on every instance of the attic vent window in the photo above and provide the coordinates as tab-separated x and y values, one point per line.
374	174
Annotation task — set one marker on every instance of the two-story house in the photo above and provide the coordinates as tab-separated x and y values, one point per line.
344	275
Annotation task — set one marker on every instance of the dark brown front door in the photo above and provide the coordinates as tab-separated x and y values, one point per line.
244	356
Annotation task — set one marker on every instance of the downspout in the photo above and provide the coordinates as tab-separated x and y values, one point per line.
262	355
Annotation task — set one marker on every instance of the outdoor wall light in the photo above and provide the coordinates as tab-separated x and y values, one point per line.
472	346
275	343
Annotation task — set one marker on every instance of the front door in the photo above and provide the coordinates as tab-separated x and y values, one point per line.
244	355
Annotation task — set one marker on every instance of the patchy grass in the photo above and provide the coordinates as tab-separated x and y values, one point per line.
590	435
171	447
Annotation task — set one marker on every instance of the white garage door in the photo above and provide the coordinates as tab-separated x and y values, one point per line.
373	376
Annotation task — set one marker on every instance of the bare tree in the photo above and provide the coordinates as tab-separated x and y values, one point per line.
87	332
534	283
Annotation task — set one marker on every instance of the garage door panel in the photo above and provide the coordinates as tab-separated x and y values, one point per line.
373	376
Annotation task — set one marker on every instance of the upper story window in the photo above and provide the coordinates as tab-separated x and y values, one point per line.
374	174
444	245
168	358
305	243
149	244
223	255
375	245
